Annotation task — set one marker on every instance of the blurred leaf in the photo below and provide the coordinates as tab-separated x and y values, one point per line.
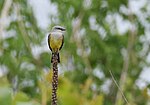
98	100
5	96
27	103
20	97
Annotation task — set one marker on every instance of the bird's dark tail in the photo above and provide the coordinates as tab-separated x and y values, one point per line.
55	54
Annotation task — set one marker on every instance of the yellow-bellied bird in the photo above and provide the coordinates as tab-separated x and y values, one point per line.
56	40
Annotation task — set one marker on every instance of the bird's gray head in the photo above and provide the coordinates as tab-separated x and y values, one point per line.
58	28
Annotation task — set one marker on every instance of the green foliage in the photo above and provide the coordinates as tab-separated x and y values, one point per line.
89	52
5	96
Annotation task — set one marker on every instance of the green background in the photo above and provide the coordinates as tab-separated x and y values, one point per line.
93	46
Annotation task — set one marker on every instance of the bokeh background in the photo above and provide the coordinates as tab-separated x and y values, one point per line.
103	37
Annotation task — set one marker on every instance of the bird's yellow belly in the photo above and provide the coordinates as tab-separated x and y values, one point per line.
55	44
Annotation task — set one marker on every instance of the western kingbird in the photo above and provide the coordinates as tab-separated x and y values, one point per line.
56	40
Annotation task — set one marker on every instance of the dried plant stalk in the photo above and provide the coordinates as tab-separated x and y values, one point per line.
54	79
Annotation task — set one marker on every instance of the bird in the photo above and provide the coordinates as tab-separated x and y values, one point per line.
56	41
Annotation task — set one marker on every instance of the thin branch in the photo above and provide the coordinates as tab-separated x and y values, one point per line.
76	37
24	33
118	87
22	27
4	15
127	58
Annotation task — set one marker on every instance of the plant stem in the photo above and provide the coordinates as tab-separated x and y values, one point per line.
54	79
